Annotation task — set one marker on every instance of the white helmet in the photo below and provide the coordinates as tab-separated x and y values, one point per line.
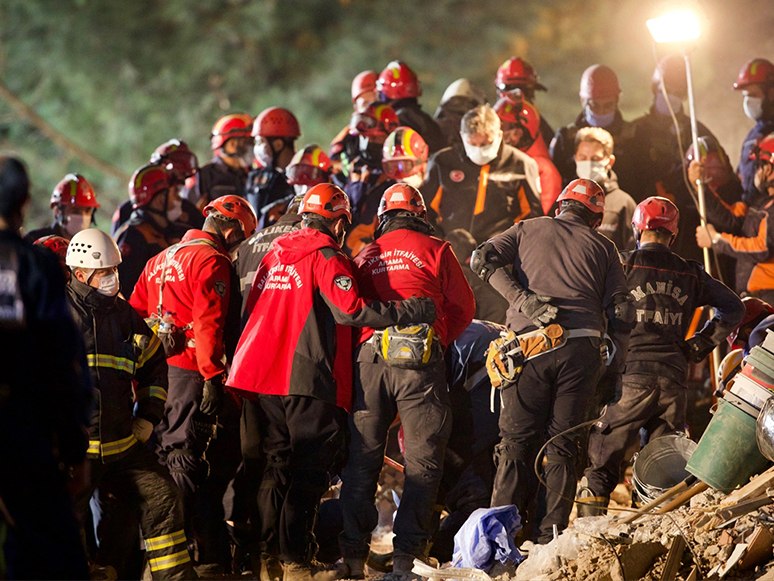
463	88
92	248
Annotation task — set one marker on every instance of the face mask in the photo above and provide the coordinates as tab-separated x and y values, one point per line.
77	222
592	170
753	108
175	211
263	152
108	285
300	190
661	103
595	120
482	155
415	181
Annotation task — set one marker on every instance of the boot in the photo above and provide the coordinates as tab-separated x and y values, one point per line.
402	566
588	504
313	571
381	562
270	568
355	567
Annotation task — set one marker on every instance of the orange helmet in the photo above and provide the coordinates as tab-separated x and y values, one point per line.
310	166
363	83
404	153
326	200
755	71
177	158
378	120
402	197
516	73
587	192
234	208
522	114
234	125
398	81
599	82
276	122
146	182
74	190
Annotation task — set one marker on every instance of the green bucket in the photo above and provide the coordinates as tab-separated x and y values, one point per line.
727	455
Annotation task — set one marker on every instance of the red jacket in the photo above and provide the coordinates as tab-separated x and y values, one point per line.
196	291
403	263
293	343
550	179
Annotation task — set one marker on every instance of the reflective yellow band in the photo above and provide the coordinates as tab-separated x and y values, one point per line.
119	363
164	541
93	447
161	563
117	447
149	351
152	391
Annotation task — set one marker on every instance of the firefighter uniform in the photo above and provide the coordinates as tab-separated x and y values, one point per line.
264	187
214	180
54	230
121	349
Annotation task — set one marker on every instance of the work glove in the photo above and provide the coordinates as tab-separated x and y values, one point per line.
538	309
142	429
212	396
417	310
696	348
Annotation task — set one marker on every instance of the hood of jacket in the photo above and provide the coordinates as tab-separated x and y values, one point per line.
294	246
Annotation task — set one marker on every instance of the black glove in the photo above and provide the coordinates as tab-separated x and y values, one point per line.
538	309
696	348
417	310
212	396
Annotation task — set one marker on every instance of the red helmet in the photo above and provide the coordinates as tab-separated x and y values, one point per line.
517	73
404	153
654	213
599	82
276	122
402	197
755	71
378	120
671	69
234	208
56	244
146	182
74	190
234	125
363	83
753	309
523	114
326	200
310	166
398	81
764	149
716	163
180	162
587	192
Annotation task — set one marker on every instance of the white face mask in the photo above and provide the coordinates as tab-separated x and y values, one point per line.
592	170
77	222
263	152
595	120
175	211
299	189
753	107
415	181
108	285
483	154
661	103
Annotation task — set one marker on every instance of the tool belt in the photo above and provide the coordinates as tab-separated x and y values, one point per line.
506	356
413	347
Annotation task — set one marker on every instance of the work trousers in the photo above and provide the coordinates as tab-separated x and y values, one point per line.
552	395
422	400
653	402
300	439
147	488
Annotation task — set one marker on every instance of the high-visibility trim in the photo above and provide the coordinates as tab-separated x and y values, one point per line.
110	448
119	363
152	391
93	447
436	203
524	207
483	180
161	563
165	541
149	351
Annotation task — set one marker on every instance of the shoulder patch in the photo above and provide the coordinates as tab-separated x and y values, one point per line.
456	175
343	282
220	288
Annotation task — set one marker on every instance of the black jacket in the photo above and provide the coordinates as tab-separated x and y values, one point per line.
264	187
53	230
410	114
213	180
120	348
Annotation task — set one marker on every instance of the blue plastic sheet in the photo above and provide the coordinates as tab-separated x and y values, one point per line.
486	537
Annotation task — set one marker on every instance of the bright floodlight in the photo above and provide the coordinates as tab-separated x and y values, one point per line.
677	26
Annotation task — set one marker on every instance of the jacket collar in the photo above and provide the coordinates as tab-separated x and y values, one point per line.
195	234
90	297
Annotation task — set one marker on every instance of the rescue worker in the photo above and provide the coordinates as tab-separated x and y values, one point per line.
74	204
594	160
516	80
599	96
747	234
666	290
404	157
367	180
127	363
751	332
458	98
226	173
46	403
195	276
344	146
181	164
294	367
404	260
482	186
520	122
756	81
150	229
275	131
58	246
398	86
564	272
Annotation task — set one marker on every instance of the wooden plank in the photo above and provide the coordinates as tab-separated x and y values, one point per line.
753	489
674	559
684	497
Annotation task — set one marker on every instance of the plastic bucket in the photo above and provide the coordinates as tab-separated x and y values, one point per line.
727	454
661	465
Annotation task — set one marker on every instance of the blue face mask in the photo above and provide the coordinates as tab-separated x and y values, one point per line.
661	103
599	120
